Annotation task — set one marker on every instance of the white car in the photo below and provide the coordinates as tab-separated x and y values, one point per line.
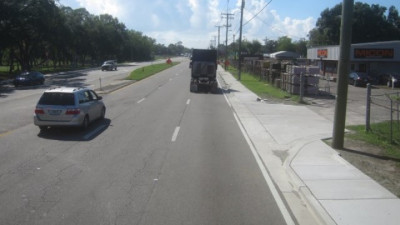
68	106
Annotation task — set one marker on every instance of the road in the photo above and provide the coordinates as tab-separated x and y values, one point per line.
163	155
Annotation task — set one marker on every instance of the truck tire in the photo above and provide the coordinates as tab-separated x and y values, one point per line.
214	88
193	88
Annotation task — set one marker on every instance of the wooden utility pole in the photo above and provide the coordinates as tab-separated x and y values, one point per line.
219	30
339	122
228	16
240	41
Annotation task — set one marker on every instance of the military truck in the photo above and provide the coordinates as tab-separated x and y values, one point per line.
203	71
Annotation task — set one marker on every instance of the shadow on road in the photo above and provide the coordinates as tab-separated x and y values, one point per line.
75	133
219	91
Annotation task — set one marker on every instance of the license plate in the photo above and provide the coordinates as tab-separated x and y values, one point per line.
54	112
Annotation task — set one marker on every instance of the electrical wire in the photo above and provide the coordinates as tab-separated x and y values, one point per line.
257	13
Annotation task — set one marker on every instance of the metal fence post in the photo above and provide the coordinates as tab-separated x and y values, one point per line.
397	111
368	109
301	87
391	120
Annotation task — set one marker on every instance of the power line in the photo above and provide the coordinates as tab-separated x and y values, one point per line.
257	13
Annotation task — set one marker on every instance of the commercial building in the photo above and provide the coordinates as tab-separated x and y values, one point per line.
377	59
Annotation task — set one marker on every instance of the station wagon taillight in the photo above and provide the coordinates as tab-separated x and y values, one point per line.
39	111
73	111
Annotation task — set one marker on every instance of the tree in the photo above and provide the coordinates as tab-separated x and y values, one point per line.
270	46
393	17
370	24
254	47
26	28
285	44
301	47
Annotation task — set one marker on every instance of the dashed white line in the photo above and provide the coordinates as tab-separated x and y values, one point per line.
188	102
141	100
175	135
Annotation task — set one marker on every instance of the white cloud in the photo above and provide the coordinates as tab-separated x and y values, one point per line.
194	21
112	7
269	24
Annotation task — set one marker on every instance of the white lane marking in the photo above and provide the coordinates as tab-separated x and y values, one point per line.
175	135
226	98
141	100
188	102
94	132
270	183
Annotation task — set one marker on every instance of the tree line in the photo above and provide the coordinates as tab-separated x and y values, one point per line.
38	32
283	43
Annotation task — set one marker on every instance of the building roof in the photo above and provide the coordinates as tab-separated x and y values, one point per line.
284	55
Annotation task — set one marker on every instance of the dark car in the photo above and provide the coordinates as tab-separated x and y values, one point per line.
358	79
109	65
29	78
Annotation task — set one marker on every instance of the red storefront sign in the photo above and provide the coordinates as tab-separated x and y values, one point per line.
365	53
322	53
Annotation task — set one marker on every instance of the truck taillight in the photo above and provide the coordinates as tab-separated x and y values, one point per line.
39	111
73	111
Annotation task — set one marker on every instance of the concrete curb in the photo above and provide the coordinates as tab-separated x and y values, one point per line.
314	208
114	86
305	193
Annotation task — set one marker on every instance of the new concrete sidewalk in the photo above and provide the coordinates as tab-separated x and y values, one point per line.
312	177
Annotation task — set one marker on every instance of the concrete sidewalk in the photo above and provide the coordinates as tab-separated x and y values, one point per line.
311	176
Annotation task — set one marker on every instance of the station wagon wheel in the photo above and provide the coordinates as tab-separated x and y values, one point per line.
103	113
85	123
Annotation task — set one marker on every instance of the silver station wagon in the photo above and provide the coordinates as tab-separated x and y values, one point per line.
68	106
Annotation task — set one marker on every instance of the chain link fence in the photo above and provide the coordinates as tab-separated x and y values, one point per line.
383	113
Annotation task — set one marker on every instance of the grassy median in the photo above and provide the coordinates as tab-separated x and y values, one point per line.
142	73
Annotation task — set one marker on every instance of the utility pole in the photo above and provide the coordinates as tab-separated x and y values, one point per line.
228	16
240	41
219	28
344	69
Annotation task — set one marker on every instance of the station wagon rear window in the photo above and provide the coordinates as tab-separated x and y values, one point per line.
54	98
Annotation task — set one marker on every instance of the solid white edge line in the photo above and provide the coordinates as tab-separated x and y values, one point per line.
175	135
270	183
285	213
141	100
226	98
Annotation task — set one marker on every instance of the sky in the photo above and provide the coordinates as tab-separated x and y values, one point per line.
194	22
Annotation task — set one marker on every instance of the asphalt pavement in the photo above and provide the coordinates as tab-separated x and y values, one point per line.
288	138
311	177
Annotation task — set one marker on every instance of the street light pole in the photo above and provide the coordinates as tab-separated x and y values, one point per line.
344	69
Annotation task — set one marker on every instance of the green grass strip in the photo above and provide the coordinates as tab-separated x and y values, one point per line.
379	136
262	88
144	72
